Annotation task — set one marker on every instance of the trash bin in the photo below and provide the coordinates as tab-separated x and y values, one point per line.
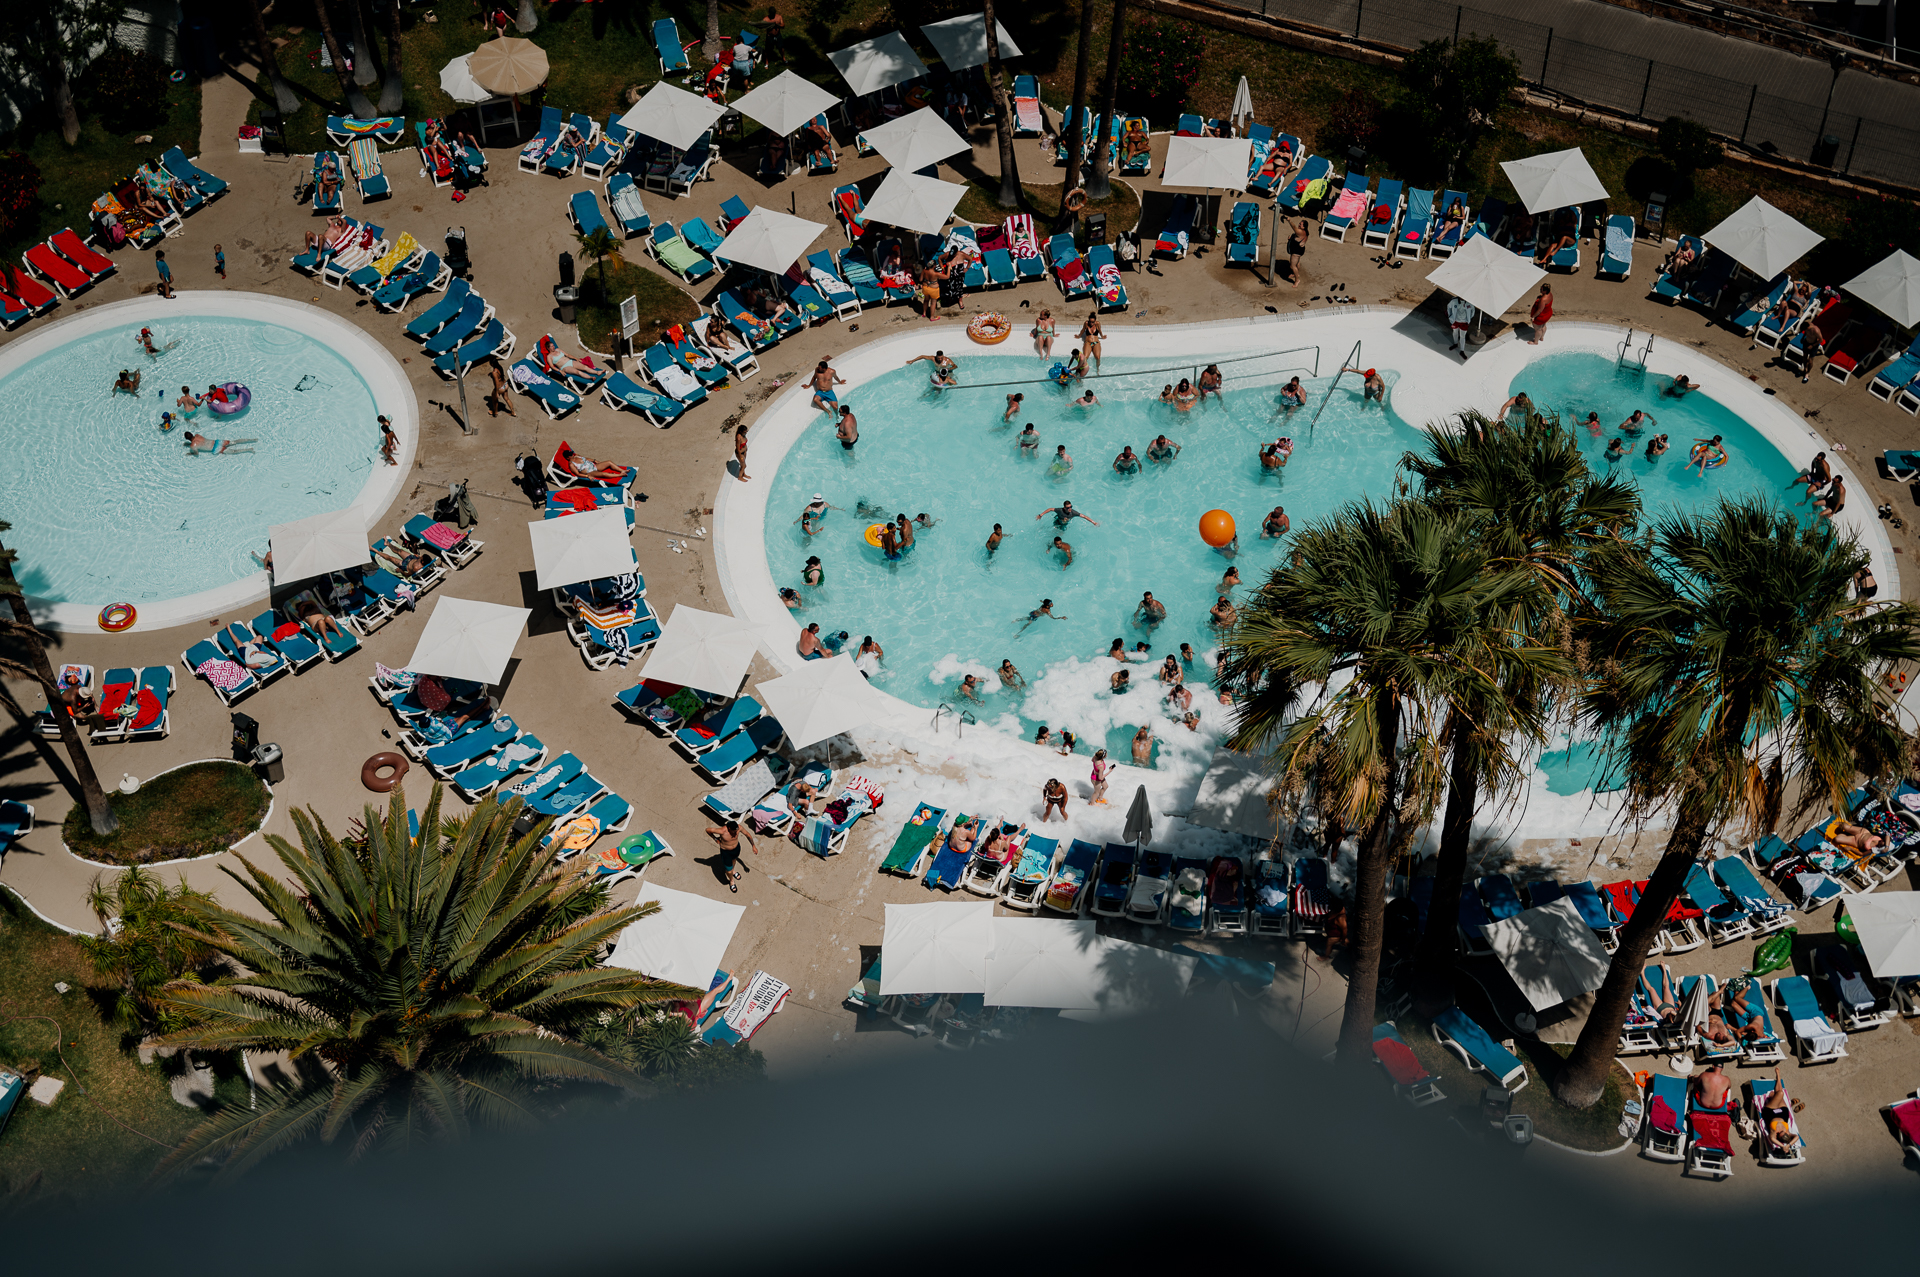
1496	1102
246	736
268	761
566	269
457	260
1825	152
1093	230
566	296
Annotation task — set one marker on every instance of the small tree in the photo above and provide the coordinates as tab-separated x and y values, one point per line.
46	40
599	244
1687	145
19	189
148	940
1457	89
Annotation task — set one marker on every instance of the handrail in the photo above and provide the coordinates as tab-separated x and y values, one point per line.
1146	372
1352	360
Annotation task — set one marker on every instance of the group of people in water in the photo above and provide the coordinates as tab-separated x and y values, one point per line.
1706	453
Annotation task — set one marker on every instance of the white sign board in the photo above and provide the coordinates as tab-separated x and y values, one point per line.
630	316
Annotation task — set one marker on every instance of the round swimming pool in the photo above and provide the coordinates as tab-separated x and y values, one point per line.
107	507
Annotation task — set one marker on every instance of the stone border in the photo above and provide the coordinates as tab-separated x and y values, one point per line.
1394	337
392	392
183	860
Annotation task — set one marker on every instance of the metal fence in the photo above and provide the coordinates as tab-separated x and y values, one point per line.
1778	102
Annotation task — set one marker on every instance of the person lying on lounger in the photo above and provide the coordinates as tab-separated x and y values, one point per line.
1842	832
1711	1087
1136	142
1455	219
586	469
960	837
329	180
1715	1033
322	622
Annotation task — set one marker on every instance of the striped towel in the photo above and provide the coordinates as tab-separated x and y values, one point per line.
1310	902
440	536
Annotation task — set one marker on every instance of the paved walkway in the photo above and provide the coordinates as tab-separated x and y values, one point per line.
808	921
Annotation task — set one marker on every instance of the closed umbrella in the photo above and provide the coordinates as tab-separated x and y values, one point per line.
914	203
820	699
1892	287
1486	274
1762	238
1207	162
785	103
468	638
457	82
1242	103
1888	926
1554	180
508	66
769	241
936	948
672	115
703	650
1139	818
872	65
319	543
962	42
683	942
580	547
916	140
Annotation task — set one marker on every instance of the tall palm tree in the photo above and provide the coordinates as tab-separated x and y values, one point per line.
393	91
38	668
284	97
1071	132
1401	596
1728	656
1100	185
710	50
442	982
1002	113
1540	507
356	101
365	70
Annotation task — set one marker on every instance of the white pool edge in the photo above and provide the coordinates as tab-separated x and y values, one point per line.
393	397
1393	338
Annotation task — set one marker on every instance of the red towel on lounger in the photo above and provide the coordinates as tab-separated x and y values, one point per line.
1713	1130
1403	1066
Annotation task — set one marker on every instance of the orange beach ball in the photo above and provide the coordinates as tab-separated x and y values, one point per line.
1216	528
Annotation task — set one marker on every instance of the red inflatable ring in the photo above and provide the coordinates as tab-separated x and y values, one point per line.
370	772
115	617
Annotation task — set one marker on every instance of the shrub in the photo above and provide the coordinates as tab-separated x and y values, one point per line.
19	188
1687	145
1163	59
127	90
1353	121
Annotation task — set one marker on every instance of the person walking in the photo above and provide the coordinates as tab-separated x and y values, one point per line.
1102	770
166	273
776	35
1459	315
498	400
740	452
219	261
728	838
1542	312
1296	249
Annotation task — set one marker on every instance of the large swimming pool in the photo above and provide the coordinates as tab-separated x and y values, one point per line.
106	507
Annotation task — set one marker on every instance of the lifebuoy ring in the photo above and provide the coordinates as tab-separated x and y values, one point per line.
370	772
1076	199
873	534
115	617
990	329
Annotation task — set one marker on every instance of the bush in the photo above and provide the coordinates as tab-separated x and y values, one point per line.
1162	61
1353	121
19	188
127	90
1687	145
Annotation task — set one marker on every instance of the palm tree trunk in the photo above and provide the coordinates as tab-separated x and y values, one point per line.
1002	114
356	101
528	18
393	93
711	49
284	98
364	72
1367	926
1584	1078
1071	134
63	100
99	810
1439	944
1100	186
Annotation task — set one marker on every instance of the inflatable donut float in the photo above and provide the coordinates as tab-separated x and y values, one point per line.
990	329
115	617
1707	457
388	762
873	534
238	399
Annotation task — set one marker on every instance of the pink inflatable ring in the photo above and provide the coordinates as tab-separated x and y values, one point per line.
238	397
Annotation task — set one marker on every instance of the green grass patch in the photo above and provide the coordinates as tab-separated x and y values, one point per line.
200	810
72	177
1594	1129
662	302
981	204
78	1146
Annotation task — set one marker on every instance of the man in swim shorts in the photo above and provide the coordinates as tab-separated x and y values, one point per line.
1127	462
1638	421
1162	449
188	402
1276	524
1459	315
200	443
1293	395
1836	499
1029	439
1065	549
128	384
1061	462
1223	612
1375	386
848	431
1151	610
1210	382
823	381
903	530
1013	406
993	541
814	514
1063	514
944	369
1045	609
1088	400
1816	476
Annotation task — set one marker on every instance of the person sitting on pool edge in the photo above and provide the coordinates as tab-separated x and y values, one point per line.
1681	387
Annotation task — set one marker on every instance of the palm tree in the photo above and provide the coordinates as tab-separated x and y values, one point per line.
364	69
36	667
1100	185
393	92
284	98
1070	132
1540	508
1401	596
1002	113
710	50
442	982
1728	656
147	941
356	101
598	244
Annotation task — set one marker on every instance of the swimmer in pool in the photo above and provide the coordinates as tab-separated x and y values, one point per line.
1185	396
1029	440
1681	387
128	383
1293	395
1270	457
146	341
1638	421
1210	381
1151	610
1592	423
1162	449
1186	653
1013	406
188	402
1045	609
1617	449
1232	578
993	542
1283	446
1063	514
167	423
944	369
1128	462
1065	549
1707	453
200	443
1010	677
813	513
1275	525
1061	462
1656	446
1166	394
1088	400
1224	614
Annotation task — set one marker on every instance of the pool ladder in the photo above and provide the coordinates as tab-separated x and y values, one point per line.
1630	356
960	717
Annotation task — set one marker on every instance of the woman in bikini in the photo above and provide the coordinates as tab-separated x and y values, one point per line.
1091	334
1043	334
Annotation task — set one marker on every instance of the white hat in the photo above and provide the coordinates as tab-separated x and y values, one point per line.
818	497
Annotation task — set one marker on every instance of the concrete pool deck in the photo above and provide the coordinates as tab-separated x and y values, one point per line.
809	922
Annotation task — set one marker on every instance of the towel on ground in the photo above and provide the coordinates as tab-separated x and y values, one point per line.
224	674
627	205
1349	205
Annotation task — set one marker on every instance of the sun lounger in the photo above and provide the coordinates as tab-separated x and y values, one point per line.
229	680
1243	235
1275	166
1815	1040
666	41
564	800
1140	163
1859	1007
1795	1154
1415	227
672	376
534	154
1383	219
133	703
1306	186
1029	120
1568	258
494	339
176	163
583	210
1309	899
1023	243
289	638
1662	1123
1758	306
1186	909
740	749
1268	892
1409	1077
666	245
608	149
910	846
66	278
548	780
23	299
1351	205
525	752
1067	891
948	865
1476	1049
742	362
1473	920
621	391
713	729
69	246
623	196
452	757
1107	288
1667	288
369	175
1861	345
442	312
1447	238
1114	883
986	875
442	539
471	320
16	821
1816	336
1726	920
1764	914
1904	1116
402	286
1176	232
1645	1031
1147	902
1031	873
1710	1136
1898	375
693	166
1765	1049
234	639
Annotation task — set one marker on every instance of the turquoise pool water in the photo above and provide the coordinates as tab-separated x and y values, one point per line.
105	507
949	608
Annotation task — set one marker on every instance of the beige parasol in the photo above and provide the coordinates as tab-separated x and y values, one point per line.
507	66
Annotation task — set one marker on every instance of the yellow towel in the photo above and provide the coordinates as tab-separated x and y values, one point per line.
400	252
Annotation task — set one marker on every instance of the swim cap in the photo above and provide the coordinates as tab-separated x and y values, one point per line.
1369	374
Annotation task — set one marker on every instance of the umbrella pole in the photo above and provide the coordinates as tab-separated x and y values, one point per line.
1273	242
460	375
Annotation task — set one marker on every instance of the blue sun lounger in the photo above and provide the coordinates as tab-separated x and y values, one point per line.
1897	375
1383	217
323	203
1448	238
1336	228
176	163
623	191
1667	288
1187	921
232	641
762	734
1176	232
1069	269
666	41
691	743
492	340
1704	289
584	211
659	360
403	286
1473	920
470	320
1243	234
1305	186
1112	295
1815	1040
621	391
531	379
455	756
1726	920
1616	252
202	652
1766	914
1766	1049
704	239
441	312
548	779
608	149
948	865
1502	900
569	798
1568	258
1476	1049
299	649
1411	239
1115	880
525	752
1664	1140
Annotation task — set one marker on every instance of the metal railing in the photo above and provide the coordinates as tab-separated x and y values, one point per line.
1351	361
